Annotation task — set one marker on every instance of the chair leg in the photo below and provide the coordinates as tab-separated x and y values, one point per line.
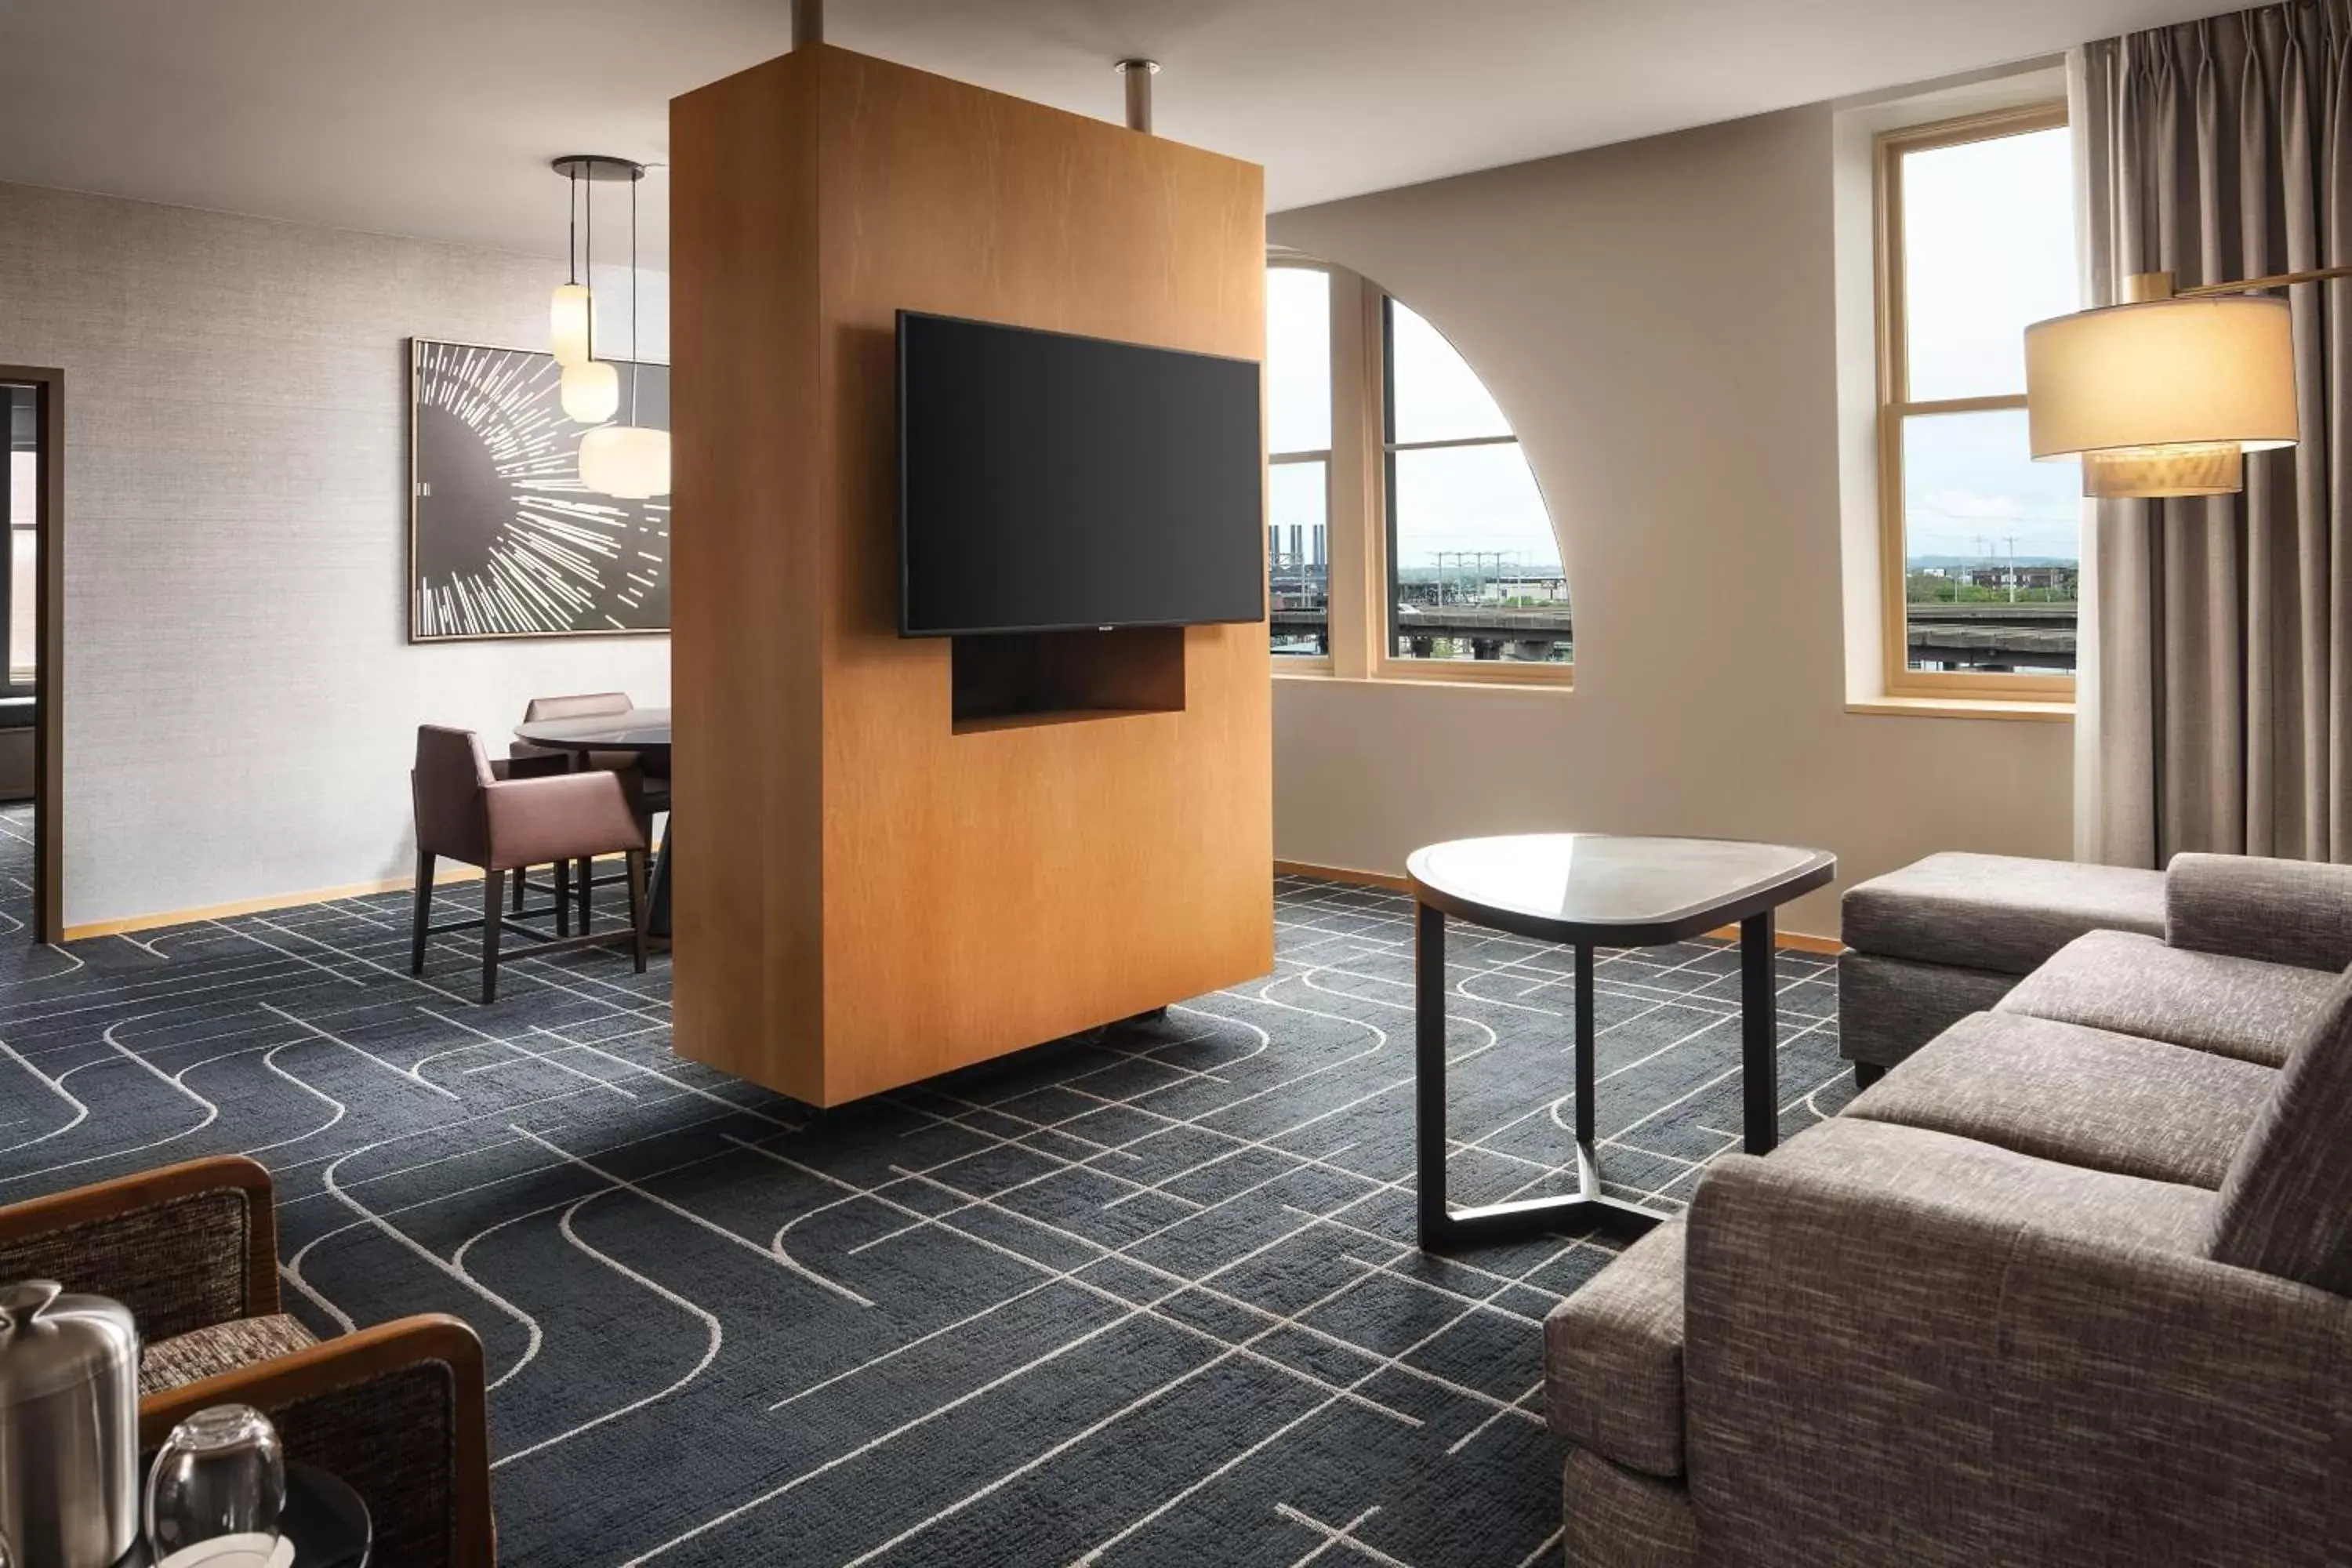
563	898
520	878
494	898
587	886
423	916
637	910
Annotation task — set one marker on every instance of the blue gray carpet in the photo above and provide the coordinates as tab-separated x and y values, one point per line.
1150	1298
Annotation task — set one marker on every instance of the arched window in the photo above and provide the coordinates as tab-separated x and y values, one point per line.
1473	569
1405	536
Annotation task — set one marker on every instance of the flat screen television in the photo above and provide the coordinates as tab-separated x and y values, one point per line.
1048	482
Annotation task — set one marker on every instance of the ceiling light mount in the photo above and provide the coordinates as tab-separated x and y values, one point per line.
597	166
1138	74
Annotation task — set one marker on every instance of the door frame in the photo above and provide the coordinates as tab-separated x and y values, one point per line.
49	384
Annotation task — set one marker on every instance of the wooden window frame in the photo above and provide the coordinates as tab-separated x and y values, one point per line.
1896	406
1387	662
1357	474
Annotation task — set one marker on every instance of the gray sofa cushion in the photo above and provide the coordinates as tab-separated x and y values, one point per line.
1612	1517
2136	985
1889	1007
2081	1097
2000	912
1613	1358
2286	1207
2285	912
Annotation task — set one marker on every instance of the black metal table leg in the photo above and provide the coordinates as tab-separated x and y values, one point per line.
658	891
1760	1036
1587	1052
1441	1226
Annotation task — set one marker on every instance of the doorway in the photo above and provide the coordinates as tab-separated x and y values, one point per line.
32	577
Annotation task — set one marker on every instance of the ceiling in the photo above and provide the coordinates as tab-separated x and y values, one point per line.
437	117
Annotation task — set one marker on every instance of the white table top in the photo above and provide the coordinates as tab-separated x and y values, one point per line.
1611	889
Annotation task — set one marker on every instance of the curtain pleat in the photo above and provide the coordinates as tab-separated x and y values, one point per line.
2222	150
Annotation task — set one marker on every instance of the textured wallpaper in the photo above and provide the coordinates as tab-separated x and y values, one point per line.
241	701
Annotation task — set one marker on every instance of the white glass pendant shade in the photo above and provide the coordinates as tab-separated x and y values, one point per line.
567	324
2160	397
591	391
625	460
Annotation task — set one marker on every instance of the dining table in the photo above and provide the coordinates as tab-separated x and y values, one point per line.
642	731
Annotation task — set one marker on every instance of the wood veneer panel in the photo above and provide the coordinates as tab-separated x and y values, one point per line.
976	892
985	891
745	671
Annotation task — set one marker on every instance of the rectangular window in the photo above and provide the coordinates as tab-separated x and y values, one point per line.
1298	442
1473	569
1981	546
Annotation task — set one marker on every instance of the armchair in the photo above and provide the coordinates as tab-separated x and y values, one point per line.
398	1411
469	810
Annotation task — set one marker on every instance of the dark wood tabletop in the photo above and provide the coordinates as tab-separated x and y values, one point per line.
639	729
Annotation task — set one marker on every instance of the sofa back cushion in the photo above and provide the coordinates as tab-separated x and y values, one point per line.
2287	1204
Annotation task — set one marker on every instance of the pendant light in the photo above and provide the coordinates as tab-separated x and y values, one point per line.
591	388
568	311
627	461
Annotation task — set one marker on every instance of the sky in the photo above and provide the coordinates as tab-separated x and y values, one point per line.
1468	498
1989	249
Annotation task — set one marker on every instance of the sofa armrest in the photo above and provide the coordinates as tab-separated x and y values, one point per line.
396	1412
2282	912
1906	1346
1613	1358
185	1247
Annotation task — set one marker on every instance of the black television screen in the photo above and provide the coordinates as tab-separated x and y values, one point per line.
1048	482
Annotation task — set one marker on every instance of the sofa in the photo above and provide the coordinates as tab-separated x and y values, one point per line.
2070	1284
1952	934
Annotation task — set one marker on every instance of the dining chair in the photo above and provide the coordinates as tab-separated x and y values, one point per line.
648	791
473	810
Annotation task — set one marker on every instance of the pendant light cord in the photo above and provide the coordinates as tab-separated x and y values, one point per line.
633	366
572	235
590	248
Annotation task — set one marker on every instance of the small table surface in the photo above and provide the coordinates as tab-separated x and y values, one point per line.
1607	889
639	729
324	1518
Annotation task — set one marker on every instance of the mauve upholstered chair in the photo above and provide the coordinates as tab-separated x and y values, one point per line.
470	809
647	787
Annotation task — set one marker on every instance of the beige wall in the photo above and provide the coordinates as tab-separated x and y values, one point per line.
1659	321
241	699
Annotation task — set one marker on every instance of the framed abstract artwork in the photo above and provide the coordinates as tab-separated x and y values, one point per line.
503	540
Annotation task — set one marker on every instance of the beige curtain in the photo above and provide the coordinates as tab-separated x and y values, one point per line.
2216	702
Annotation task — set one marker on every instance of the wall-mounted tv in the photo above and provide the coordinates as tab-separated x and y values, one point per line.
1048	482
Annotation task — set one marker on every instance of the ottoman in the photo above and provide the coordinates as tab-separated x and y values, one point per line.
1949	935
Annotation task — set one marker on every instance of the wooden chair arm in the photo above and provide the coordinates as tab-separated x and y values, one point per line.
130	1195
346	1367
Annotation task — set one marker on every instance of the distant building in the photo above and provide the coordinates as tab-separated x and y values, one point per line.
1532	590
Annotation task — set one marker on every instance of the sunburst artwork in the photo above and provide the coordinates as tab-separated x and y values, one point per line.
504	540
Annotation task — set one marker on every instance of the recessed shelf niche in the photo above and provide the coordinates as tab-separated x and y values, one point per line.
1008	680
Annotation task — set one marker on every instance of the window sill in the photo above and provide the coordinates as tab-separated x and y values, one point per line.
2059	712
1450	682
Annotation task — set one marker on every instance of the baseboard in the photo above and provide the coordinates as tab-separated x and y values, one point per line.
1342	874
1798	941
262	906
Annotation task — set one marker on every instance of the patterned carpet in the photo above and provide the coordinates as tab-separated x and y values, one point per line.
1149	1298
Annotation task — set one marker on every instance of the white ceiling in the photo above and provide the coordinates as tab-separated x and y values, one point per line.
438	117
